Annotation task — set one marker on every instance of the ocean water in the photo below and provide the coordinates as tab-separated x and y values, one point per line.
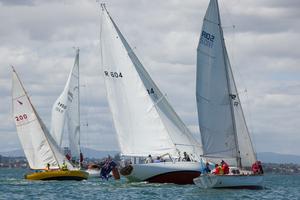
14	186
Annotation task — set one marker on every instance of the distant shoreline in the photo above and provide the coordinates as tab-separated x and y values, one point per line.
269	168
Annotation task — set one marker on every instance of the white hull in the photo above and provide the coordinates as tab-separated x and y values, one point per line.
93	172
165	172
229	181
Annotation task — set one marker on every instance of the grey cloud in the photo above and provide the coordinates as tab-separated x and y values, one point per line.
17	2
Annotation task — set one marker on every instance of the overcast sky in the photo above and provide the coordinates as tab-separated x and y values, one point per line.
262	38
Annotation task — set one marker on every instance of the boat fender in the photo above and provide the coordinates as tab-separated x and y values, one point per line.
126	170
115	173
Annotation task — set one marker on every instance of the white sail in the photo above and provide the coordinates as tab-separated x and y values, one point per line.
67	107
38	145
73	112
247	153
223	129
144	120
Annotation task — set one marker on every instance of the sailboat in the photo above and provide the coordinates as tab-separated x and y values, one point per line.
223	127
145	123
41	150
66	110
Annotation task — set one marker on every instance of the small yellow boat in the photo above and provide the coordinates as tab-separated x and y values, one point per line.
40	148
77	175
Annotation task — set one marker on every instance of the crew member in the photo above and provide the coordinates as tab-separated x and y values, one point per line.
186	157
149	159
48	166
206	169
64	166
218	170
225	167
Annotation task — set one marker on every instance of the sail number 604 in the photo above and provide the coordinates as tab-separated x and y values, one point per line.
21	117
113	74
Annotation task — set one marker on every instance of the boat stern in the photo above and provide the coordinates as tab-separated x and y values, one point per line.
77	175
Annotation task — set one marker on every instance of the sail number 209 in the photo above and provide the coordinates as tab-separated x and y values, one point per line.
21	117
113	74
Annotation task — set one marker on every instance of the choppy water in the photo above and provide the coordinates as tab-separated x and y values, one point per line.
14	186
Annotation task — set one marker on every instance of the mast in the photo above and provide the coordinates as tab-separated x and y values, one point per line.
78	83
231	96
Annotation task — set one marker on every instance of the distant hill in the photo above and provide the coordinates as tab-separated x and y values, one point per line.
269	157
87	152
13	153
92	153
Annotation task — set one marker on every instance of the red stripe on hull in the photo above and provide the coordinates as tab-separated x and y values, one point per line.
178	177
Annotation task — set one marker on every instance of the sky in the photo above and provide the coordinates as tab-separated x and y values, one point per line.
38	38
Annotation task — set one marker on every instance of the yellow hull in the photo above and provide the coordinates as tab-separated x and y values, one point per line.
77	175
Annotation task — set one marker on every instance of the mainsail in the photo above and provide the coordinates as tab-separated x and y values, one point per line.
66	107
224	132
144	120
38	145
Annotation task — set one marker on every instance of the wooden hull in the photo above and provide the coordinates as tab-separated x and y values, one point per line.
229	181
77	175
165	172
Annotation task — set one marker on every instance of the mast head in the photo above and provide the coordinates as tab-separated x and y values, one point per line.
103	6
12	67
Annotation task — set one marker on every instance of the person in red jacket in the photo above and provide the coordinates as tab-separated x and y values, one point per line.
257	168
225	167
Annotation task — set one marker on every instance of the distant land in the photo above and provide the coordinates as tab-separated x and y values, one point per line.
270	157
87	152
265	157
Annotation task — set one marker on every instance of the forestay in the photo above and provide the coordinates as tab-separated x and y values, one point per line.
144	120
38	145
224	132
66	107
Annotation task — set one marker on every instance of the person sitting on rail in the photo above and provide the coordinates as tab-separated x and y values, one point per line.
64	166
218	170
186	157
149	159
206	168
47	167
257	168
225	167
261	171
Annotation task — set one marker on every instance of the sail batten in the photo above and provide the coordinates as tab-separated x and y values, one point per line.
144	121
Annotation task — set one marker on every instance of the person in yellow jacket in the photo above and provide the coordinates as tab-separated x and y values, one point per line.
218	170
221	171
64	166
